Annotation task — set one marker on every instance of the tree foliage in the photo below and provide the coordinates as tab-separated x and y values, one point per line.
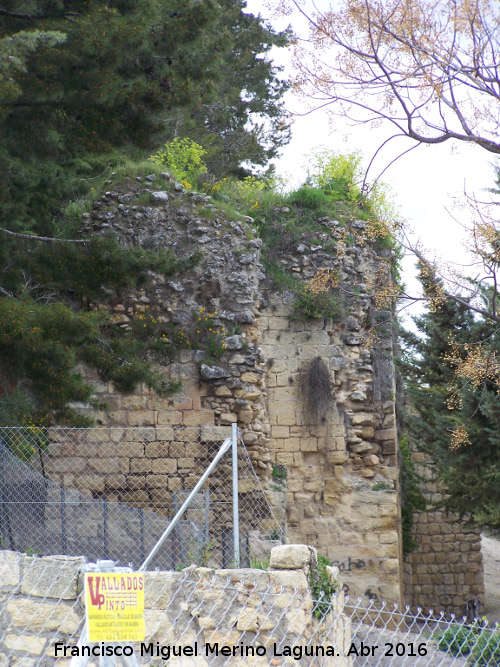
85	87
451	374
107	85
245	124
90	81
429	68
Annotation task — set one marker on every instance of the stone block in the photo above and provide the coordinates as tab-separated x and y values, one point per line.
144	434
27	643
142	418
337	458
280	431
51	577
10	569
284	458
134	402
164	466
174	483
169	417
245	416
164	433
43	616
291	556
290	445
135	449
141	465
294	579
104	465
371	460
223	391
157	481
250	377
228	418
198	418
184	403
155	450
93	482
360	447
386	434
115	481
214	433
363	419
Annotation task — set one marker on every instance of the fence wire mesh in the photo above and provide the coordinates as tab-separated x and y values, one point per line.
201	617
109	493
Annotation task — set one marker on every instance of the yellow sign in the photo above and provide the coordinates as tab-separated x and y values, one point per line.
114	603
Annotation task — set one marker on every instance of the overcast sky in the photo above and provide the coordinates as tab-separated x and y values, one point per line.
425	182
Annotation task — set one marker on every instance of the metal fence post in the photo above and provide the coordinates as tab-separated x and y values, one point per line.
224	448
236	516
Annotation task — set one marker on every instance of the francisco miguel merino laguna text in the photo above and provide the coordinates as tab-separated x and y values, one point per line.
168	651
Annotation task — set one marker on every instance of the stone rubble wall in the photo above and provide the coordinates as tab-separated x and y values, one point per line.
341	486
331	466
445	571
342	474
41	602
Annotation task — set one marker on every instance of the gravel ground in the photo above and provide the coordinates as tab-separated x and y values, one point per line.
371	637
490	548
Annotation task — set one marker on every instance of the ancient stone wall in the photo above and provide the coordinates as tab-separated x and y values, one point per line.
341	466
341	487
445	571
41	603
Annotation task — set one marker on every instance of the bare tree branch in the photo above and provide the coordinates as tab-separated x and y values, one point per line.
45	239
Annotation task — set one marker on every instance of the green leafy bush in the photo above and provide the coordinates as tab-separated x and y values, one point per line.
309	197
337	174
322	587
183	157
482	645
324	304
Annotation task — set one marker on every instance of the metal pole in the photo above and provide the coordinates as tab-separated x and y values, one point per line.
225	446
236	514
141	524
105	526
63	519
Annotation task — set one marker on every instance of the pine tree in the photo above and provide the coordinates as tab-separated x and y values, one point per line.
445	401
96	77
246	121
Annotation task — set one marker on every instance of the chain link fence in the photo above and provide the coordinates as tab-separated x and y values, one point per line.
109	493
201	617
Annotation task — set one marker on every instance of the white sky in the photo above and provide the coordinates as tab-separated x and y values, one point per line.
425	182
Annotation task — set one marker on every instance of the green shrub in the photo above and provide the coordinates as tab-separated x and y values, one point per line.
486	650
456	640
183	157
279	472
337	174
309	197
322	588
324	304
482	645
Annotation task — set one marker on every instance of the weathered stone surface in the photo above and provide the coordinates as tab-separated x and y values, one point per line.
295	579
363	419
43	616
360	447
51	576
213	372
27	643
214	433
9	570
290	557
159	197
